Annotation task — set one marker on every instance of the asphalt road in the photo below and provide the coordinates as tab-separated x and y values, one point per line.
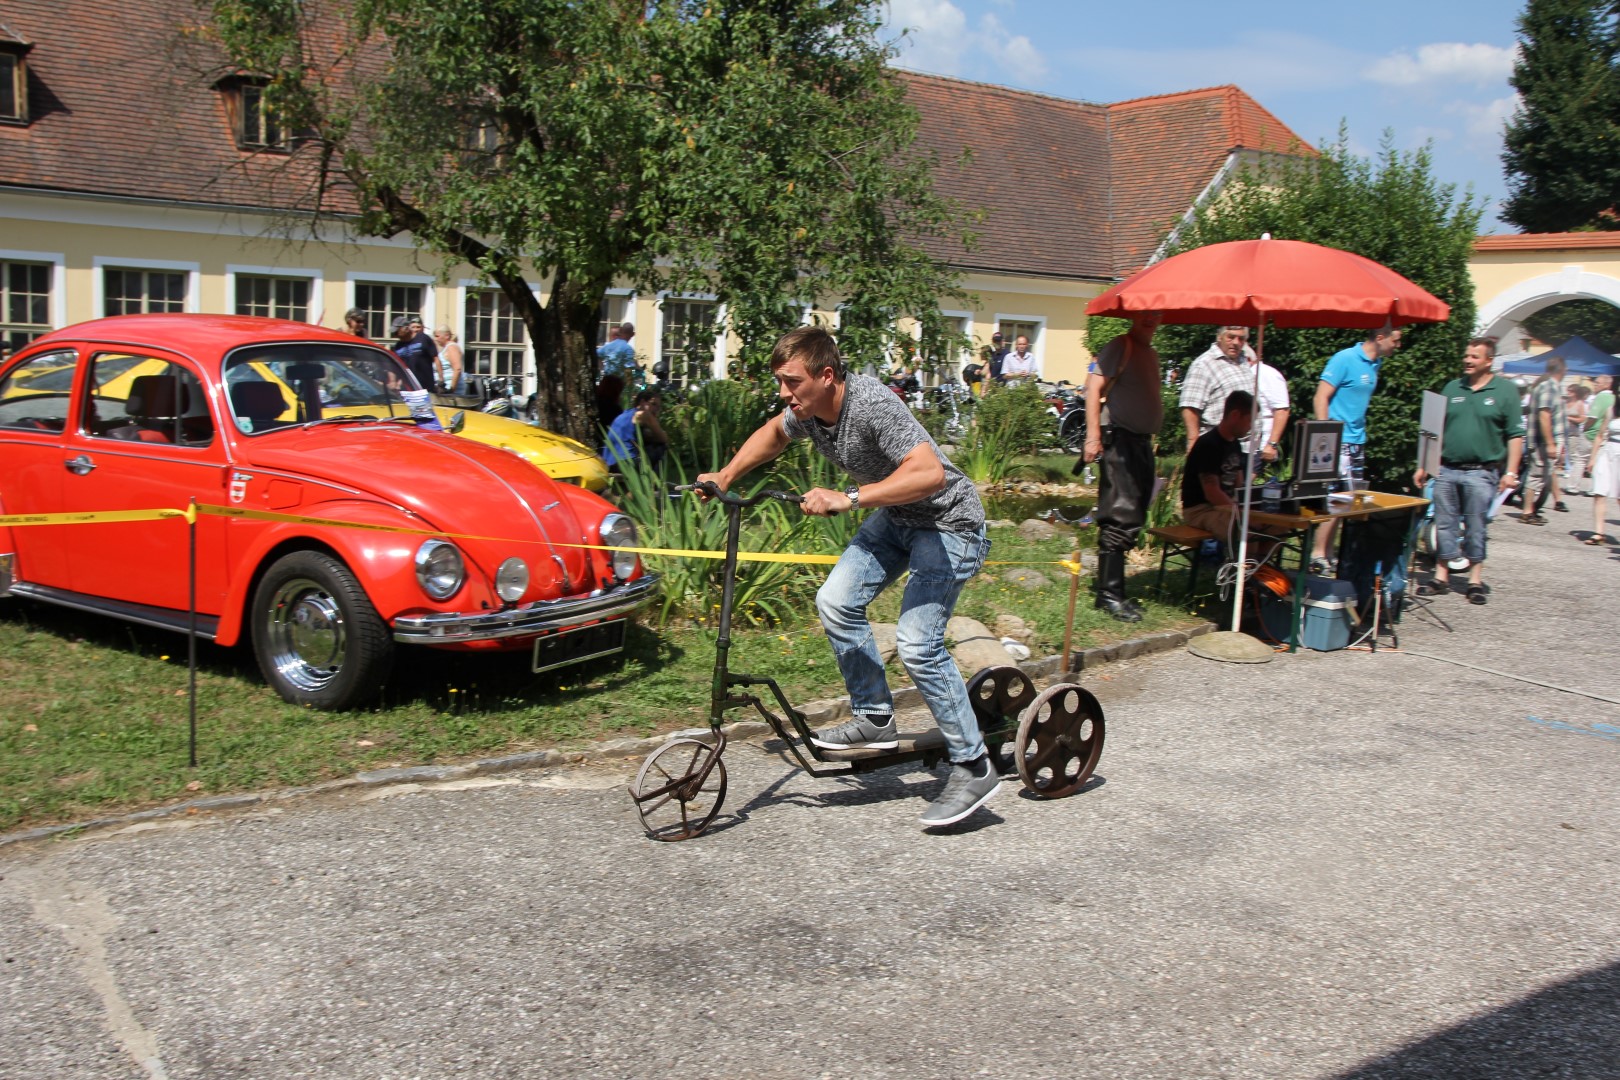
1332	865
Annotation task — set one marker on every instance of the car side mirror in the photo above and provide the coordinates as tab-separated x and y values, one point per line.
458	420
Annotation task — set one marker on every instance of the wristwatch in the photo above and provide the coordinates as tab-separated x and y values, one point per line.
853	494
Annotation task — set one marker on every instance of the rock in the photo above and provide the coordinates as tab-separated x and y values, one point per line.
999	523
961	628
1011	626
1036	529
1029	579
975	646
883	637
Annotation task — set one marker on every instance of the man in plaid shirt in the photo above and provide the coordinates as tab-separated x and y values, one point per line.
1213	376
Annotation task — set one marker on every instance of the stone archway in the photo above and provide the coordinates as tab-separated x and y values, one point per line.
1501	313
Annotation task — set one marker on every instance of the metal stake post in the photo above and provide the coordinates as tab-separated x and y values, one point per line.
191	633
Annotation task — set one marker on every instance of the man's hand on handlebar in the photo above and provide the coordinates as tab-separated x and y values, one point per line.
823	502
717	479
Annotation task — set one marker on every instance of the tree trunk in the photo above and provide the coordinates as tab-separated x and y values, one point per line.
565	367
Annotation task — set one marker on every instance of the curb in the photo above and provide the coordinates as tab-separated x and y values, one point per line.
815	712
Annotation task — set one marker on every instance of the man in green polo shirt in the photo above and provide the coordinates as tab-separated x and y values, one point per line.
1483	427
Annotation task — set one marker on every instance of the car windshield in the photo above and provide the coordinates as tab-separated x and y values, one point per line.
274	386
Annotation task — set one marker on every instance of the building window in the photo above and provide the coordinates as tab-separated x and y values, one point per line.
137	292
273	297
493	335
259	125
25	303
383	303
690	327
13	89
615	310
1011	329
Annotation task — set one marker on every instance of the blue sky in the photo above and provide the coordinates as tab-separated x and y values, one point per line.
1429	70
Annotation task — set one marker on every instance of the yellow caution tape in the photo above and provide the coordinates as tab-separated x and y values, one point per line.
190	515
90	517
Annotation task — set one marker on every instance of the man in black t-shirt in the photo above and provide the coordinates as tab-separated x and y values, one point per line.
1215	470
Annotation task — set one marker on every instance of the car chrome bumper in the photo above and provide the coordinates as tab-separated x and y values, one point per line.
442	628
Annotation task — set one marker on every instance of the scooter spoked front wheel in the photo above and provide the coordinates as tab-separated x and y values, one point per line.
1060	741
680	788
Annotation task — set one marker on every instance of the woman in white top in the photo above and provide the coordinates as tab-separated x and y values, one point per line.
1604	469
449	362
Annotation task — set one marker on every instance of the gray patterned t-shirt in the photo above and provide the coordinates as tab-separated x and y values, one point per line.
873	434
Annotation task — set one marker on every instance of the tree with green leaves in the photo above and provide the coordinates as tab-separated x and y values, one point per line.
1562	147
759	151
1388	208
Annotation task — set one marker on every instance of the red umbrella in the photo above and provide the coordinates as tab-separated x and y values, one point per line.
1287	283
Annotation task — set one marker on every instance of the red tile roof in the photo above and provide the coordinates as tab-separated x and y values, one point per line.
1566	241
121	105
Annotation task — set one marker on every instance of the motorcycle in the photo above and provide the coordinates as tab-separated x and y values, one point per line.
497	395
1066	403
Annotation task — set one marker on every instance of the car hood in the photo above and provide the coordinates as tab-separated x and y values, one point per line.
455	485
556	454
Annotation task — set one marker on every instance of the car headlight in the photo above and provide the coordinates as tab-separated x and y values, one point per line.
512	580
619	531
439	569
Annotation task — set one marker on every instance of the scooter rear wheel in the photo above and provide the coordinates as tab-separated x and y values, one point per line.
680	788
1060	741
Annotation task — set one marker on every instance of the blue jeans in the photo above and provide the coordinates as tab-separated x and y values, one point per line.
940	564
1462	496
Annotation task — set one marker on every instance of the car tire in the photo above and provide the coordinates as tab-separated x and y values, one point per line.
316	635
1072	429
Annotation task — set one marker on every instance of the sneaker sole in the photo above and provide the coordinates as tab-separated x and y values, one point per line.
884	744
929	823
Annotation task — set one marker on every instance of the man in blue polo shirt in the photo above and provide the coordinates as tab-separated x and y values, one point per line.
1345	389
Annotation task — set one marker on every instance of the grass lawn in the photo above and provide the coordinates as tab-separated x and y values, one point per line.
97	716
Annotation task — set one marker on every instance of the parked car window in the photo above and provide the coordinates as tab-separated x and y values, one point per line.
34	394
272	386
143	399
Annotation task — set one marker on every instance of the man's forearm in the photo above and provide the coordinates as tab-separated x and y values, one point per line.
1515	455
918	476
763	445
1094	385
1190	418
1279	425
1324	394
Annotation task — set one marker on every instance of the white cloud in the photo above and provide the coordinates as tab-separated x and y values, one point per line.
937	40
936	34
1013	53
1445	62
1483	121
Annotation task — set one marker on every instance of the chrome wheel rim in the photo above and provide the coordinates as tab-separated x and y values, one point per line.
307	634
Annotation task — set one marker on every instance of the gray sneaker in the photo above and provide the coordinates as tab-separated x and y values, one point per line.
859	733
964	793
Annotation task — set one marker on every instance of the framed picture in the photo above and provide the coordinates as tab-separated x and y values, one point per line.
1316	454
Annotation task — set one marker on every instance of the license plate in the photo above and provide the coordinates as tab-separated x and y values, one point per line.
582	643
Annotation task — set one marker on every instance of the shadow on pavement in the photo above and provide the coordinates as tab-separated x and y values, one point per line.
1570	1029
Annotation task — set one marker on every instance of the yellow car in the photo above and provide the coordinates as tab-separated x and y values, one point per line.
559	457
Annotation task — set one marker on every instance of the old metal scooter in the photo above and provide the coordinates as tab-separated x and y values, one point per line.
1057	734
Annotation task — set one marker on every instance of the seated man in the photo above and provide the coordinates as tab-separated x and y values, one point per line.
636	429
1214	474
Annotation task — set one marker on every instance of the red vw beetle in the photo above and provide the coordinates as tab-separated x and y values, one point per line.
462	545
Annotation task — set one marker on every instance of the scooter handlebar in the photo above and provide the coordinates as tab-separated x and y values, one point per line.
712	490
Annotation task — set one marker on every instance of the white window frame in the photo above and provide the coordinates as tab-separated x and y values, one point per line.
964	357
100	263
1037	347
722	328
629	310
58	263
531	375
317	286
429	293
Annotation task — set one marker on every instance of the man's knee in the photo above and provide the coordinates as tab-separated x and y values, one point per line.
834	606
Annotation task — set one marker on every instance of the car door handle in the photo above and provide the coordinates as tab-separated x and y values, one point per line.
80	466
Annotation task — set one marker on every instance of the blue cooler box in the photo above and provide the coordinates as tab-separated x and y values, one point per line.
1327	620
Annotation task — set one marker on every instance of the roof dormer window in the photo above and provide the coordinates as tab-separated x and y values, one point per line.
255	121
13	78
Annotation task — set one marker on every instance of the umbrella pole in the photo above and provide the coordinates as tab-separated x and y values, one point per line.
1248	484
